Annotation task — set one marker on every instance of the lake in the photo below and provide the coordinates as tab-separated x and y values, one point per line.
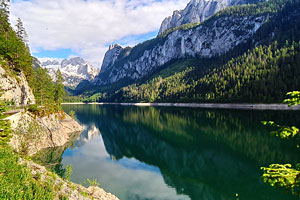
162	153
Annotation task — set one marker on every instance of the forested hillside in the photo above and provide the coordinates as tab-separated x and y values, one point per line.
263	69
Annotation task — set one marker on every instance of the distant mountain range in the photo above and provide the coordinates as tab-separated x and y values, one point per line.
74	70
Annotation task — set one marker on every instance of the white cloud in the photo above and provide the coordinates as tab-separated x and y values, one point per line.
88	26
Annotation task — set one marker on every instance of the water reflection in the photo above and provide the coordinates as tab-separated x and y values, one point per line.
170	153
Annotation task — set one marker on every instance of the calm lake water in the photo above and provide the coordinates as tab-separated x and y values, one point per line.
140	153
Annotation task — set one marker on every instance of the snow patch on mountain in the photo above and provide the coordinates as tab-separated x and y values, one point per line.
74	70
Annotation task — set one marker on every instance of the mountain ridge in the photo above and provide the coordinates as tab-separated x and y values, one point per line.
198	11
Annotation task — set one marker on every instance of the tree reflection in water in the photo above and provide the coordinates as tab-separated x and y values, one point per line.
205	154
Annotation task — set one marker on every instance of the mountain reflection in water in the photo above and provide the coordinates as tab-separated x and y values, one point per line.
178	153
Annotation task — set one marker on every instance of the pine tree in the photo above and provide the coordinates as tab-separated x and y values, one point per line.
59	88
21	32
4	8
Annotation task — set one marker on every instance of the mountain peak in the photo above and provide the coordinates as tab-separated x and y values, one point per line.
197	11
111	56
112	46
73	61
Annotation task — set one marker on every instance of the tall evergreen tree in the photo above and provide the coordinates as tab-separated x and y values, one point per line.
4	8
21	32
59	88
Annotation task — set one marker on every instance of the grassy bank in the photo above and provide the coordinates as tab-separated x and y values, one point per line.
16	180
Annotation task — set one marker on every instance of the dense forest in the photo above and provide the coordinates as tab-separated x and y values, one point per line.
262	70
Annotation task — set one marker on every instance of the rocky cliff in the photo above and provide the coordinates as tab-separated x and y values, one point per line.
197	11
31	133
111	56
15	88
213	37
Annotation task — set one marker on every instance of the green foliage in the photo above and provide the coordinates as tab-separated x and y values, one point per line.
93	182
285	132
35	109
21	32
294	98
68	172
279	175
48	94
4	125
72	114
59	90
16	179
12	48
72	99
283	176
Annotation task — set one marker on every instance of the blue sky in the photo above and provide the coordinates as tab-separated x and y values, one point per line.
57	53
85	28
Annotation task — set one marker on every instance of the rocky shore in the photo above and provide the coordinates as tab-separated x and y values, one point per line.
33	134
66	188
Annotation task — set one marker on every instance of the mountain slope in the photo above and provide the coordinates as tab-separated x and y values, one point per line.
264	74
214	37
245	73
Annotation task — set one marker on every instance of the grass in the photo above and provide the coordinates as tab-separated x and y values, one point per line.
16	180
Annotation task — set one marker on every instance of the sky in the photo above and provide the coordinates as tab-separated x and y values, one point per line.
85	28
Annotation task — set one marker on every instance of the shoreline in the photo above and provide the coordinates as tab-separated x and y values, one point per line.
236	106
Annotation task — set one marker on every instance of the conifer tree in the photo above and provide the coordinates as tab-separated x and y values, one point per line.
21	32
59	88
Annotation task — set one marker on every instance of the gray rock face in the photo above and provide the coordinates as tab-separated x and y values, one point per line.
50	62
111	56
209	39
73	61
15	90
197	11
